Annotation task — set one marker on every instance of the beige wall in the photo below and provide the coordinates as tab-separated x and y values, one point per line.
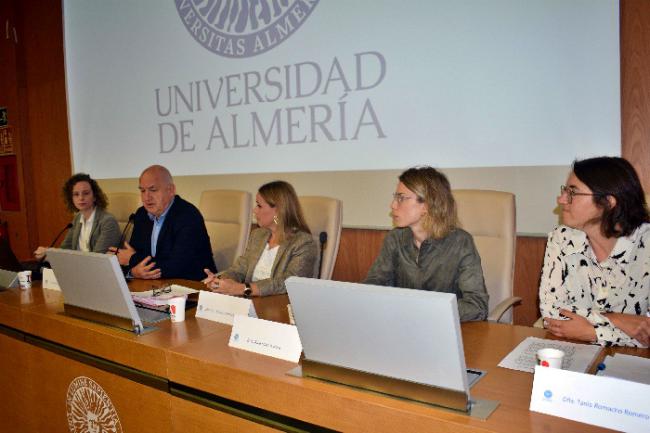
366	194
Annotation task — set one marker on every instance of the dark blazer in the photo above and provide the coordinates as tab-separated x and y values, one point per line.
104	233
297	255
183	248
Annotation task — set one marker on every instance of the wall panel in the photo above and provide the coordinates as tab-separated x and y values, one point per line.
635	86
10	93
41	32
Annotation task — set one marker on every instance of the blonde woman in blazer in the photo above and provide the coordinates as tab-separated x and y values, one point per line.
281	247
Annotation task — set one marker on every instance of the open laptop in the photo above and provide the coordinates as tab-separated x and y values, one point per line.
8	279
396	341
94	288
8	260
9	266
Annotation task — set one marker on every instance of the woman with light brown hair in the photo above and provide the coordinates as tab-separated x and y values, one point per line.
93	228
282	246
427	250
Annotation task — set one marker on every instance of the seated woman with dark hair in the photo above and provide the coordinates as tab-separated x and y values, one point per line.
596	278
93	229
427	250
280	248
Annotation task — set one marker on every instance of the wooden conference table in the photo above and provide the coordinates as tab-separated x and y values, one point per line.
60	374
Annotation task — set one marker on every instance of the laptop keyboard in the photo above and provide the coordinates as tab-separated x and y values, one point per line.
147	315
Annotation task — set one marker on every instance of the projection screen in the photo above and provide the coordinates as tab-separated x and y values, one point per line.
258	86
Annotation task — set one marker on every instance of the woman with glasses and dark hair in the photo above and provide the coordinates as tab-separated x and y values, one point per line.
596	277
427	250
281	247
93	229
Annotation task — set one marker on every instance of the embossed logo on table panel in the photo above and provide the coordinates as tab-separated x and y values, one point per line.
89	408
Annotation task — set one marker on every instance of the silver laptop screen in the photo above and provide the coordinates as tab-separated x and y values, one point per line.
407	334
94	282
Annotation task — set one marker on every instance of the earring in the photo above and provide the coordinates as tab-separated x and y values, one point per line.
276	220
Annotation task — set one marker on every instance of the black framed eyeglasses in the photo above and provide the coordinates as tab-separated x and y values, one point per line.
160	290
570	193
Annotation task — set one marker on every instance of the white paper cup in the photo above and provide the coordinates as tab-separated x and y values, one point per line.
549	357
177	309
25	279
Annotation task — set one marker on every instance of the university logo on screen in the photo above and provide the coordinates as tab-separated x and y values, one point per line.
243	28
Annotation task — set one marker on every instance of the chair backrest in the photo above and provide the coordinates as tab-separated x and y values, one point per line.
324	214
121	205
489	216
227	215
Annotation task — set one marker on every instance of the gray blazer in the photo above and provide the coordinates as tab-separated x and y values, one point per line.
104	233
297	255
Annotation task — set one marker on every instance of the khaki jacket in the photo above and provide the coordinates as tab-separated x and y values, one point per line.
297	255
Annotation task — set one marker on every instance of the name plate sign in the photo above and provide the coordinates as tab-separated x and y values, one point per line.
49	280
278	340
223	308
603	401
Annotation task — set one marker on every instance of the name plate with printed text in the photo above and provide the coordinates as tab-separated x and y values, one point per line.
49	280
223	308
603	401
274	339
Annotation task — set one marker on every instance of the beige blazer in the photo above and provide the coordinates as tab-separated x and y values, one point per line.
297	255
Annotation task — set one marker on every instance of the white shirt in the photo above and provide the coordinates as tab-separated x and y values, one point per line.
264	265
84	234
574	280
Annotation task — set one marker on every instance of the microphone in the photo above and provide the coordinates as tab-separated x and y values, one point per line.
126	228
69	226
322	237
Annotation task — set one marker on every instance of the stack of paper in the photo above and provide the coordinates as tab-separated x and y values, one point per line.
155	298
577	357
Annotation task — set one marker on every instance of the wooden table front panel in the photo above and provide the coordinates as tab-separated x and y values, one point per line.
195	354
13	374
189	417
46	378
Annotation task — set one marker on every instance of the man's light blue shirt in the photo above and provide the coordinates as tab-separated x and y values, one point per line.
157	226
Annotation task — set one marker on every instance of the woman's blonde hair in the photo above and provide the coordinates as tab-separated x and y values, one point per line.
432	188
281	196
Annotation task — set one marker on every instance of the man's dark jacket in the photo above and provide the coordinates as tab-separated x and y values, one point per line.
183	249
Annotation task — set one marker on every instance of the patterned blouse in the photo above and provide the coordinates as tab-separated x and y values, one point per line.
574	280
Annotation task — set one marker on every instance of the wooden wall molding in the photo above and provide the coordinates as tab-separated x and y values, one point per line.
635	86
32	87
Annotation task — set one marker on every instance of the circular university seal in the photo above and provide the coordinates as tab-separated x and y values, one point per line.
89	408
243	28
